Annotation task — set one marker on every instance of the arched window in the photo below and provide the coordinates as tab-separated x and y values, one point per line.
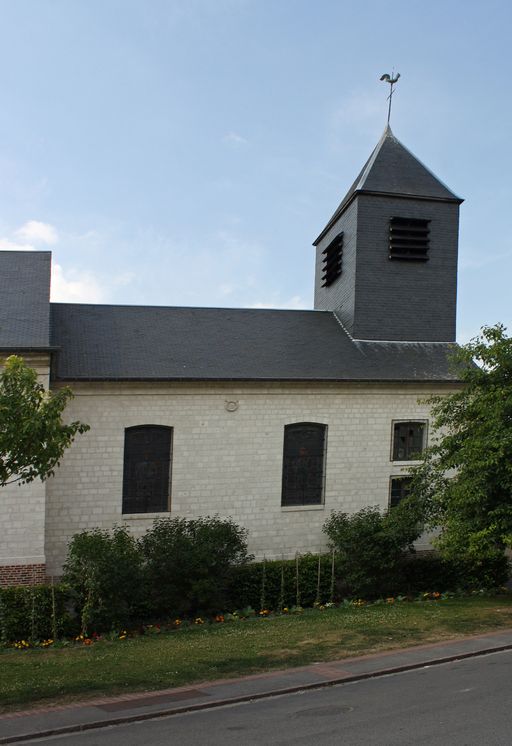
303	464
147	469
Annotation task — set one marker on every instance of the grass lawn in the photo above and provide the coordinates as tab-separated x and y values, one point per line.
196	654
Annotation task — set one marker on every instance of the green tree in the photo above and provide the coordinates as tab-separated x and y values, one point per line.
33	436
465	479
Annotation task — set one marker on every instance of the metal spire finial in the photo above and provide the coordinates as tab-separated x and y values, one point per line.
391	79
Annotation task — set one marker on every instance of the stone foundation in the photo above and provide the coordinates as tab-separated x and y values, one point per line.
22	575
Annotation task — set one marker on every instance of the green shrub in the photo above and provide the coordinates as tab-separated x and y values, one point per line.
371	546
104	571
429	572
433	572
491	571
34	613
412	574
280	588
188	563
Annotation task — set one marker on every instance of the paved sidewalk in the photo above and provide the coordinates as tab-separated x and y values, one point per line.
21	726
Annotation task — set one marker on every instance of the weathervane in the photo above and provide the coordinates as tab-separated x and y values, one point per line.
391	80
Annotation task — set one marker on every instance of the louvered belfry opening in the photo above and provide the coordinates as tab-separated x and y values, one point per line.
409	239
331	263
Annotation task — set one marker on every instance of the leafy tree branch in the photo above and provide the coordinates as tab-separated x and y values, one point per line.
33	436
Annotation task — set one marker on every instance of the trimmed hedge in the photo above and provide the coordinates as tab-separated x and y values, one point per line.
273	583
259	584
186	567
34	613
432	572
27	612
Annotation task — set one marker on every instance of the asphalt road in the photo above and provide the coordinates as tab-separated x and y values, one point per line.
462	703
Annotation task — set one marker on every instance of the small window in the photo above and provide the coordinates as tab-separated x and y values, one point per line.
331	263
408	440
409	239
147	465
303	464
400	488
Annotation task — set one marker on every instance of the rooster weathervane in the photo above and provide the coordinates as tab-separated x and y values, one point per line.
391	79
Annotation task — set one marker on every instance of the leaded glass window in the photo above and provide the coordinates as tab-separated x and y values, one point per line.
303	464
408	440
400	488
147	464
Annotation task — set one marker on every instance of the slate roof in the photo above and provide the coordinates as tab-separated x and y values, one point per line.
99	342
393	170
24	300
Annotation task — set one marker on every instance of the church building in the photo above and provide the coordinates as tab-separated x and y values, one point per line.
274	418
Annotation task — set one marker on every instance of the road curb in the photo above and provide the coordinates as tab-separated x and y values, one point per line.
183	709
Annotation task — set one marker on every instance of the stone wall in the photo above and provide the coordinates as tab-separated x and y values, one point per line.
230	462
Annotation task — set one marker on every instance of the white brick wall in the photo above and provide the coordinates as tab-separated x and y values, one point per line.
22	533
229	463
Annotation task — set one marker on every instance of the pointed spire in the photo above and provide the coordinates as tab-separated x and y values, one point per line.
393	170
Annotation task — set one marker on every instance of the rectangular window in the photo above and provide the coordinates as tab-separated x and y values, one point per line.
409	239
147	466
409	439
331	262
303	464
400	488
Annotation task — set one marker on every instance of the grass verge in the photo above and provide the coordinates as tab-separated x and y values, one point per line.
194	654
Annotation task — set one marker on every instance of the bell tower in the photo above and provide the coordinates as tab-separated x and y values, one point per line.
386	262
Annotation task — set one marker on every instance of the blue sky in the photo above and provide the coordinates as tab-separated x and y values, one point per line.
187	152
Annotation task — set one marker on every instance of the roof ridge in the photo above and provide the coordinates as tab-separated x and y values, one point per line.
340	322
61	304
371	160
